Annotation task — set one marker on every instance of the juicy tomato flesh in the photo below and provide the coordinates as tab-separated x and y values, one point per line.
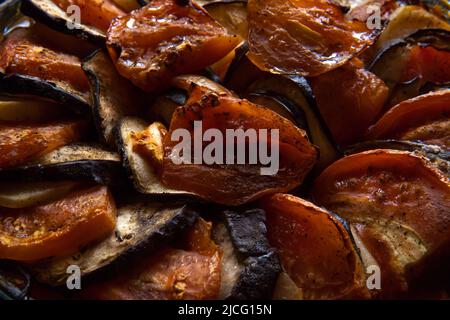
96	13
22	143
434	133
230	182
422	118
191	272
304	37
20	54
163	39
389	184
350	99
428	63
399	204
314	247
58	228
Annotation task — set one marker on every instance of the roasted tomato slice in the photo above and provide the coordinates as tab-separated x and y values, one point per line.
189	272
58	228
315	248
304	37
231	177
399	205
425	118
350	99
21	143
22	54
163	39
95	13
428	63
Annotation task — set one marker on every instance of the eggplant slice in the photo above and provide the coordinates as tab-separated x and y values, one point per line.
48	13
14	281
390	64
296	96
164	106
112	96
72	162
17	85
438	157
30	194
141	227
250	267
144	178
230	14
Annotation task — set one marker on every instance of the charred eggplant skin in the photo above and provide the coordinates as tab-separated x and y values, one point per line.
10	290
17	85
159	229
438	38
32	9
109	107
105	172
248	234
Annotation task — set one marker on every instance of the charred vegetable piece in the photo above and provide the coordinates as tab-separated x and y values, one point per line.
249	265
315	248
149	143
350	99
28	68
19	55
72	162
14	281
190	82
30	194
398	203
235	183
230	14
164	106
163	39
96	13
413	63
301	104
304	38
113	97
405	21
22	143
425	118
58	228
242	72
59	15
142	228
437	155
190	271
145	177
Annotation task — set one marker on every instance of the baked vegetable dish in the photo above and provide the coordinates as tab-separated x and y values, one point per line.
224	149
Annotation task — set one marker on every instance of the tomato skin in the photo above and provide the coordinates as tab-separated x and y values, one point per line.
235	184
350	100
189	272
96	13
21	143
21	54
430	64
303	37
424	117
152	45
315	248
58	228
399	206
